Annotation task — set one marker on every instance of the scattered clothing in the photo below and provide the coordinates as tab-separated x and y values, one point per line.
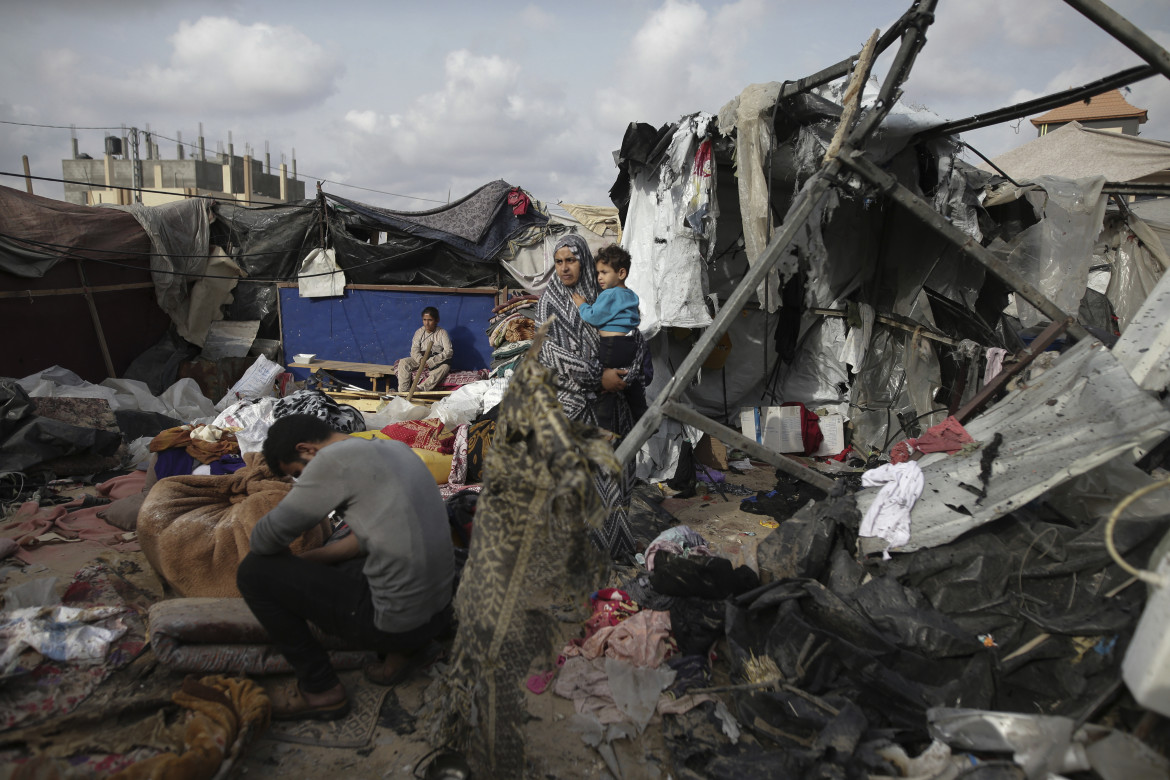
679	540
643	639
538	683
888	516
204	450
995	356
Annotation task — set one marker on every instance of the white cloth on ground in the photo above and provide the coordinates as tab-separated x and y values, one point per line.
889	515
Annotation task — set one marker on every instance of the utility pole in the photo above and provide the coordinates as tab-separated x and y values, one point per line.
27	174
135	166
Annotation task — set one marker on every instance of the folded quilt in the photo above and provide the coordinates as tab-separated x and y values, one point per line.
195	530
206	635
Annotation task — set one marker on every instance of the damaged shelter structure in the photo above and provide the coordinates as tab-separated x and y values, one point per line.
957	569
996	353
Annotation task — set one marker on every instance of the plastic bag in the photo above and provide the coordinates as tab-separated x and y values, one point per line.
256	382
319	276
396	409
462	406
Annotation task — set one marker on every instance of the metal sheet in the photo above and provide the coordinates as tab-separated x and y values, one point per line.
1082	412
1144	347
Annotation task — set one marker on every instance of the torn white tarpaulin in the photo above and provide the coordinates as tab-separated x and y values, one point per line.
994	359
208	296
853	351
1136	260
1082	412
670	229
180	236
320	276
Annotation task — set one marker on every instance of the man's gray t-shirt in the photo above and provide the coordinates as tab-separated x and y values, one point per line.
389	499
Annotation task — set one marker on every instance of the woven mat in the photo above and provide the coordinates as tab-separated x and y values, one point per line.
353	731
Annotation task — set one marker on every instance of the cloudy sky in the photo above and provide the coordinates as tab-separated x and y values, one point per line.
421	100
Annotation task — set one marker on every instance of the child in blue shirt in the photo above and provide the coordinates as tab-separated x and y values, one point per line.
615	315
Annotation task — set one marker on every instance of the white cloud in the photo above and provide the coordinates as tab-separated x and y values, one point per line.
681	59
536	18
217	66
488	120
366	121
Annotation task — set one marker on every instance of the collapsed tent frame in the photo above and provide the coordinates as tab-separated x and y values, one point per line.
852	159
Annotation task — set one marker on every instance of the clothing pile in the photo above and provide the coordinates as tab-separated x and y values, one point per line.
510	332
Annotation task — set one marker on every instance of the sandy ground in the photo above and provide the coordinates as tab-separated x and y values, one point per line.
397	745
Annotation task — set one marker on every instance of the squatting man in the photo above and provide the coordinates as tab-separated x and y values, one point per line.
386	586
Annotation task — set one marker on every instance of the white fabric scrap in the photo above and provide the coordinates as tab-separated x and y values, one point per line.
995	356
889	514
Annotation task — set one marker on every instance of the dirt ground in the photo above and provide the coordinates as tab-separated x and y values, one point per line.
397	747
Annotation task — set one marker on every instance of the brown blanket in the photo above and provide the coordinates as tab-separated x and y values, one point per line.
195	530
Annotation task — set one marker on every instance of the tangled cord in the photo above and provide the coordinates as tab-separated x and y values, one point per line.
1142	574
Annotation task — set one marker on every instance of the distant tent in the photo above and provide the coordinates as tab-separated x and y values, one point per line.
1077	152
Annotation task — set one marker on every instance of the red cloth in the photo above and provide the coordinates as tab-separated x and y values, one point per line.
422	435
948	436
610	607
518	201
810	428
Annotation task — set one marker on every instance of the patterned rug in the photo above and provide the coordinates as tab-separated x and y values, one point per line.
50	688
353	731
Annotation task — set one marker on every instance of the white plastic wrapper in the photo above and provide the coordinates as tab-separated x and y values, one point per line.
397	409
139	452
60	633
459	408
257	382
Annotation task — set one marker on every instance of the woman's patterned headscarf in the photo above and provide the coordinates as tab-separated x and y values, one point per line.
571	347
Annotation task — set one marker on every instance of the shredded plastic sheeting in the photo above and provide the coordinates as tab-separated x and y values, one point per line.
1079	414
1137	261
1055	253
183	400
180	235
670	229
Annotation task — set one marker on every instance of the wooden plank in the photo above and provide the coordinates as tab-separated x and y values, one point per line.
1023	359
369	369
689	416
74	290
410	288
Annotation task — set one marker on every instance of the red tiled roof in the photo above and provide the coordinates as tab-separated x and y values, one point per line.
1109	105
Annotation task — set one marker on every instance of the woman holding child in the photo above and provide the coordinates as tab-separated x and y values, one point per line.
573	349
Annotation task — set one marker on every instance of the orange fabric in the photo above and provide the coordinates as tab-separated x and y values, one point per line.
202	451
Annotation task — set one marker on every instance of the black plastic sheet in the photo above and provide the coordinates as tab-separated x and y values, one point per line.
27	439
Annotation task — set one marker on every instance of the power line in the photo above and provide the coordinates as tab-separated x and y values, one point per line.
95	185
153	134
306	175
55	127
252	279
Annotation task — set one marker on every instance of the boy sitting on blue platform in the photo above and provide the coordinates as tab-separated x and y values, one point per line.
615	315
